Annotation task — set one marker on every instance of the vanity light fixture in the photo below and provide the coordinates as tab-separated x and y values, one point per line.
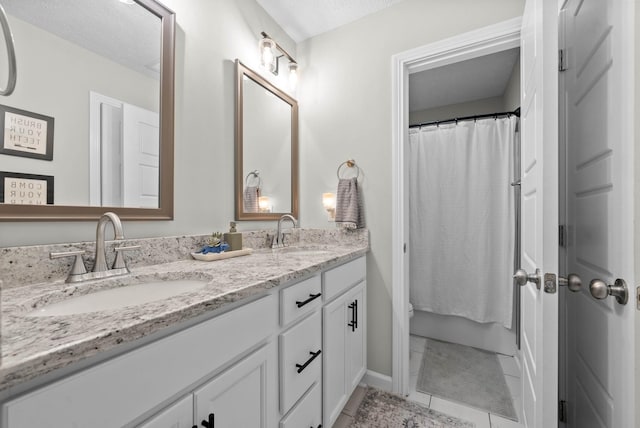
270	54
329	204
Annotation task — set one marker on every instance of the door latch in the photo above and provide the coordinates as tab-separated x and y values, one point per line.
550	283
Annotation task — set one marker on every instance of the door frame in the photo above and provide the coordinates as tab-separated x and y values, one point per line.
484	41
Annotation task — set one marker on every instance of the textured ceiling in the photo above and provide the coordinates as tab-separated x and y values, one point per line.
126	34
302	19
471	80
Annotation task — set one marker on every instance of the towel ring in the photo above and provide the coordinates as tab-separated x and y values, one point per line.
256	174
349	163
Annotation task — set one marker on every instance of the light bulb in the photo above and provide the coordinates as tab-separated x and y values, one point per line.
293	75
264	203
266	53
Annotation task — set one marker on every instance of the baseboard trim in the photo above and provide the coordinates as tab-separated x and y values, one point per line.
377	380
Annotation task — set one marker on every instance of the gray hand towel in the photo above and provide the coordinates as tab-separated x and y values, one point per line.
349	212
250	199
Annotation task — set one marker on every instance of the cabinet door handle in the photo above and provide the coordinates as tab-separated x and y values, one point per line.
311	298
210	423
354	315
313	357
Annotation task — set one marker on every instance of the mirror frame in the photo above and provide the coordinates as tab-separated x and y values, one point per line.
241	72
165	202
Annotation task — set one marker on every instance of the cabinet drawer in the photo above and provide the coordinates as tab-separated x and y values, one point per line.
343	277
300	360
308	412
138	381
300	299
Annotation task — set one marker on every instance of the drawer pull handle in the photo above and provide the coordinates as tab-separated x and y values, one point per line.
210	423
313	357
311	298
354	315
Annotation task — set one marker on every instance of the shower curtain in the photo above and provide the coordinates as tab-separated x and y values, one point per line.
461	214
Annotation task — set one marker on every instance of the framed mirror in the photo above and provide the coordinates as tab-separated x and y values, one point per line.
90	125
266	149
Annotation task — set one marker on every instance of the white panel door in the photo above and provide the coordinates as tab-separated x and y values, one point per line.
539	157
244	395
599	166
141	157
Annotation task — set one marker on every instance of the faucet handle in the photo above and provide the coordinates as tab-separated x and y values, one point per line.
78	267
119	262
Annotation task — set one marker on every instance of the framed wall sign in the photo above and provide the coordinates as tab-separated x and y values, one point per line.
26	189
25	133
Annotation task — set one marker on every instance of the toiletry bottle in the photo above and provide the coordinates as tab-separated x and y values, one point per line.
233	237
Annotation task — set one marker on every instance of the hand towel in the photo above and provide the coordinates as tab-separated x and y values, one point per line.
349	211
250	199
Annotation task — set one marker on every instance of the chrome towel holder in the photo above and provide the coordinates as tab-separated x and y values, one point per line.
11	53
350	163
255	174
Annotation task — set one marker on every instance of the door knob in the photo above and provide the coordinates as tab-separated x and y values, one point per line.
600	290
573	282
522	277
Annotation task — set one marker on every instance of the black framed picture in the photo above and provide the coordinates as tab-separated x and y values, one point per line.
25	134
26	189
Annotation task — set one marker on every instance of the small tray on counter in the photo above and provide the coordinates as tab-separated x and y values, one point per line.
221	256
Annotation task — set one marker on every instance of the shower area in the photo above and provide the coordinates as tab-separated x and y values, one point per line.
463	163
463	207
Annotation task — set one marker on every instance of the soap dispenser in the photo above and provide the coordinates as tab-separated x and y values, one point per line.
233	237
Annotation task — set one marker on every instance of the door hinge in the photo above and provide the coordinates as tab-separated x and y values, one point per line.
562	411
404	248
562	60
562	236
638	298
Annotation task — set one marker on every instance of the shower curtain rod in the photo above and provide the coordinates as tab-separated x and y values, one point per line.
516	112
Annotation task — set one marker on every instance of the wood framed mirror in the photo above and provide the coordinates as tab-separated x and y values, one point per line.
110	82
266	175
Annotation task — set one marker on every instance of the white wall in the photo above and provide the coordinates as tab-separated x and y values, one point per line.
345	108
451	111
511	94
210	36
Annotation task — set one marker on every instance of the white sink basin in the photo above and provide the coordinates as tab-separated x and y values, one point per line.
301	251
119	297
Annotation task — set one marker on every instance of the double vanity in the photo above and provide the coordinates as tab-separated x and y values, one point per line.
273	339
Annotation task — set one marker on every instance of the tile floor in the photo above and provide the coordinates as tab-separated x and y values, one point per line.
480	418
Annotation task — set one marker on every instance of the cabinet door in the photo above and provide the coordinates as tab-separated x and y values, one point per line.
356	336
334	370
178	415
245	395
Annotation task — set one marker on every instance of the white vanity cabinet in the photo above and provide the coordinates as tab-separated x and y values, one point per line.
288	359
344	335
123	390
177	415
241	396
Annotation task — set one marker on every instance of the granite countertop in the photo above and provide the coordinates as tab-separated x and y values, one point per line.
34	346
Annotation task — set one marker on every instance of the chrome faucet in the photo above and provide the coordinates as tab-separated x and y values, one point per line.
100	269
101	253
278	240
